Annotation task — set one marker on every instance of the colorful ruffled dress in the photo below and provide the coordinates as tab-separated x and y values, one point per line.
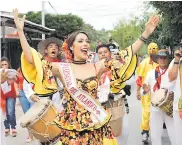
75	121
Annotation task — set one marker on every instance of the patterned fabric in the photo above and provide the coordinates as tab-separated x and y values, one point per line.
39	74
75	121
121	69
75	118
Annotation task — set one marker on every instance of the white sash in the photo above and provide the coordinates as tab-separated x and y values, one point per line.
98	114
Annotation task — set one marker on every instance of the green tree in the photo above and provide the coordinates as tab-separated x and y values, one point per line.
126	33
95	35
171	25
63	24
66	24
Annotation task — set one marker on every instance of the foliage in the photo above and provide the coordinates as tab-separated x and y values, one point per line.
126	33
63	24
169	31
95	35
66	24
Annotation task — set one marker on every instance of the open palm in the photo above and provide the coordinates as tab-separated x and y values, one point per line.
152	24
18	22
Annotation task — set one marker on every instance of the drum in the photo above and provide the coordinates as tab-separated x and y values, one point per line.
117	111
163	99
39	121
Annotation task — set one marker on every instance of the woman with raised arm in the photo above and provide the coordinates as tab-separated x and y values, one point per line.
83	120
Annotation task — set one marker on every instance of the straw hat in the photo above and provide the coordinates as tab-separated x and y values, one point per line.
43	44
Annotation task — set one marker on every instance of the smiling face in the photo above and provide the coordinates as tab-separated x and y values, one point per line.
80	47
52	50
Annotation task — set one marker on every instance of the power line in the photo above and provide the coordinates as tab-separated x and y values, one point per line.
52	7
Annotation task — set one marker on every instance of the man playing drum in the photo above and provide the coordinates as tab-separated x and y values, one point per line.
49	50
175	73
155	80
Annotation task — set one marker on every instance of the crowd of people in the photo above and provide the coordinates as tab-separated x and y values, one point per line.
91	97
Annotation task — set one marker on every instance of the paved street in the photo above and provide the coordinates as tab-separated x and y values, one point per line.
133	127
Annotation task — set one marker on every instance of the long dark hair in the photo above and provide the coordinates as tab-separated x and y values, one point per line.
72	38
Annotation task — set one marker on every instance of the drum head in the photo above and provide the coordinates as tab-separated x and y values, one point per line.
159	96
35	112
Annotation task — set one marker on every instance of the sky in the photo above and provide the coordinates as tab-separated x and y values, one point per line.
99	13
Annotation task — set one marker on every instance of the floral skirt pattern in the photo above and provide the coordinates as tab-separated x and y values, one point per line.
94	137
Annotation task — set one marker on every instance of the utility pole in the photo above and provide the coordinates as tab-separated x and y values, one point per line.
43	17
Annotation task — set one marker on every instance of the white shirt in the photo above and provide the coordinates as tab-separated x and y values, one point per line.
150	81
56	99
27	88
177	92
5	87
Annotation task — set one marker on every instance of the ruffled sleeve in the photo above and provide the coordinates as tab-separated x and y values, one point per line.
122	69
39	74
141	69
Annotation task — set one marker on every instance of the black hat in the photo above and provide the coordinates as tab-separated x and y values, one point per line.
43	44
162	52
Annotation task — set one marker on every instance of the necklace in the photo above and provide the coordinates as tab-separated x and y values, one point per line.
79	62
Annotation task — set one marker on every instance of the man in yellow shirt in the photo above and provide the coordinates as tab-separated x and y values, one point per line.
144	67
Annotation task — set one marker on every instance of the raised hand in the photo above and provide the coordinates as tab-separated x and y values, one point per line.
18	22
177	55
152	24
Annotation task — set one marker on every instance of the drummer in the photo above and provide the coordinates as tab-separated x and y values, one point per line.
49	49
156	79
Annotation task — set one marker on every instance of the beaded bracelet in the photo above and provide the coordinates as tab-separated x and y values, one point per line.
176	62
143	39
